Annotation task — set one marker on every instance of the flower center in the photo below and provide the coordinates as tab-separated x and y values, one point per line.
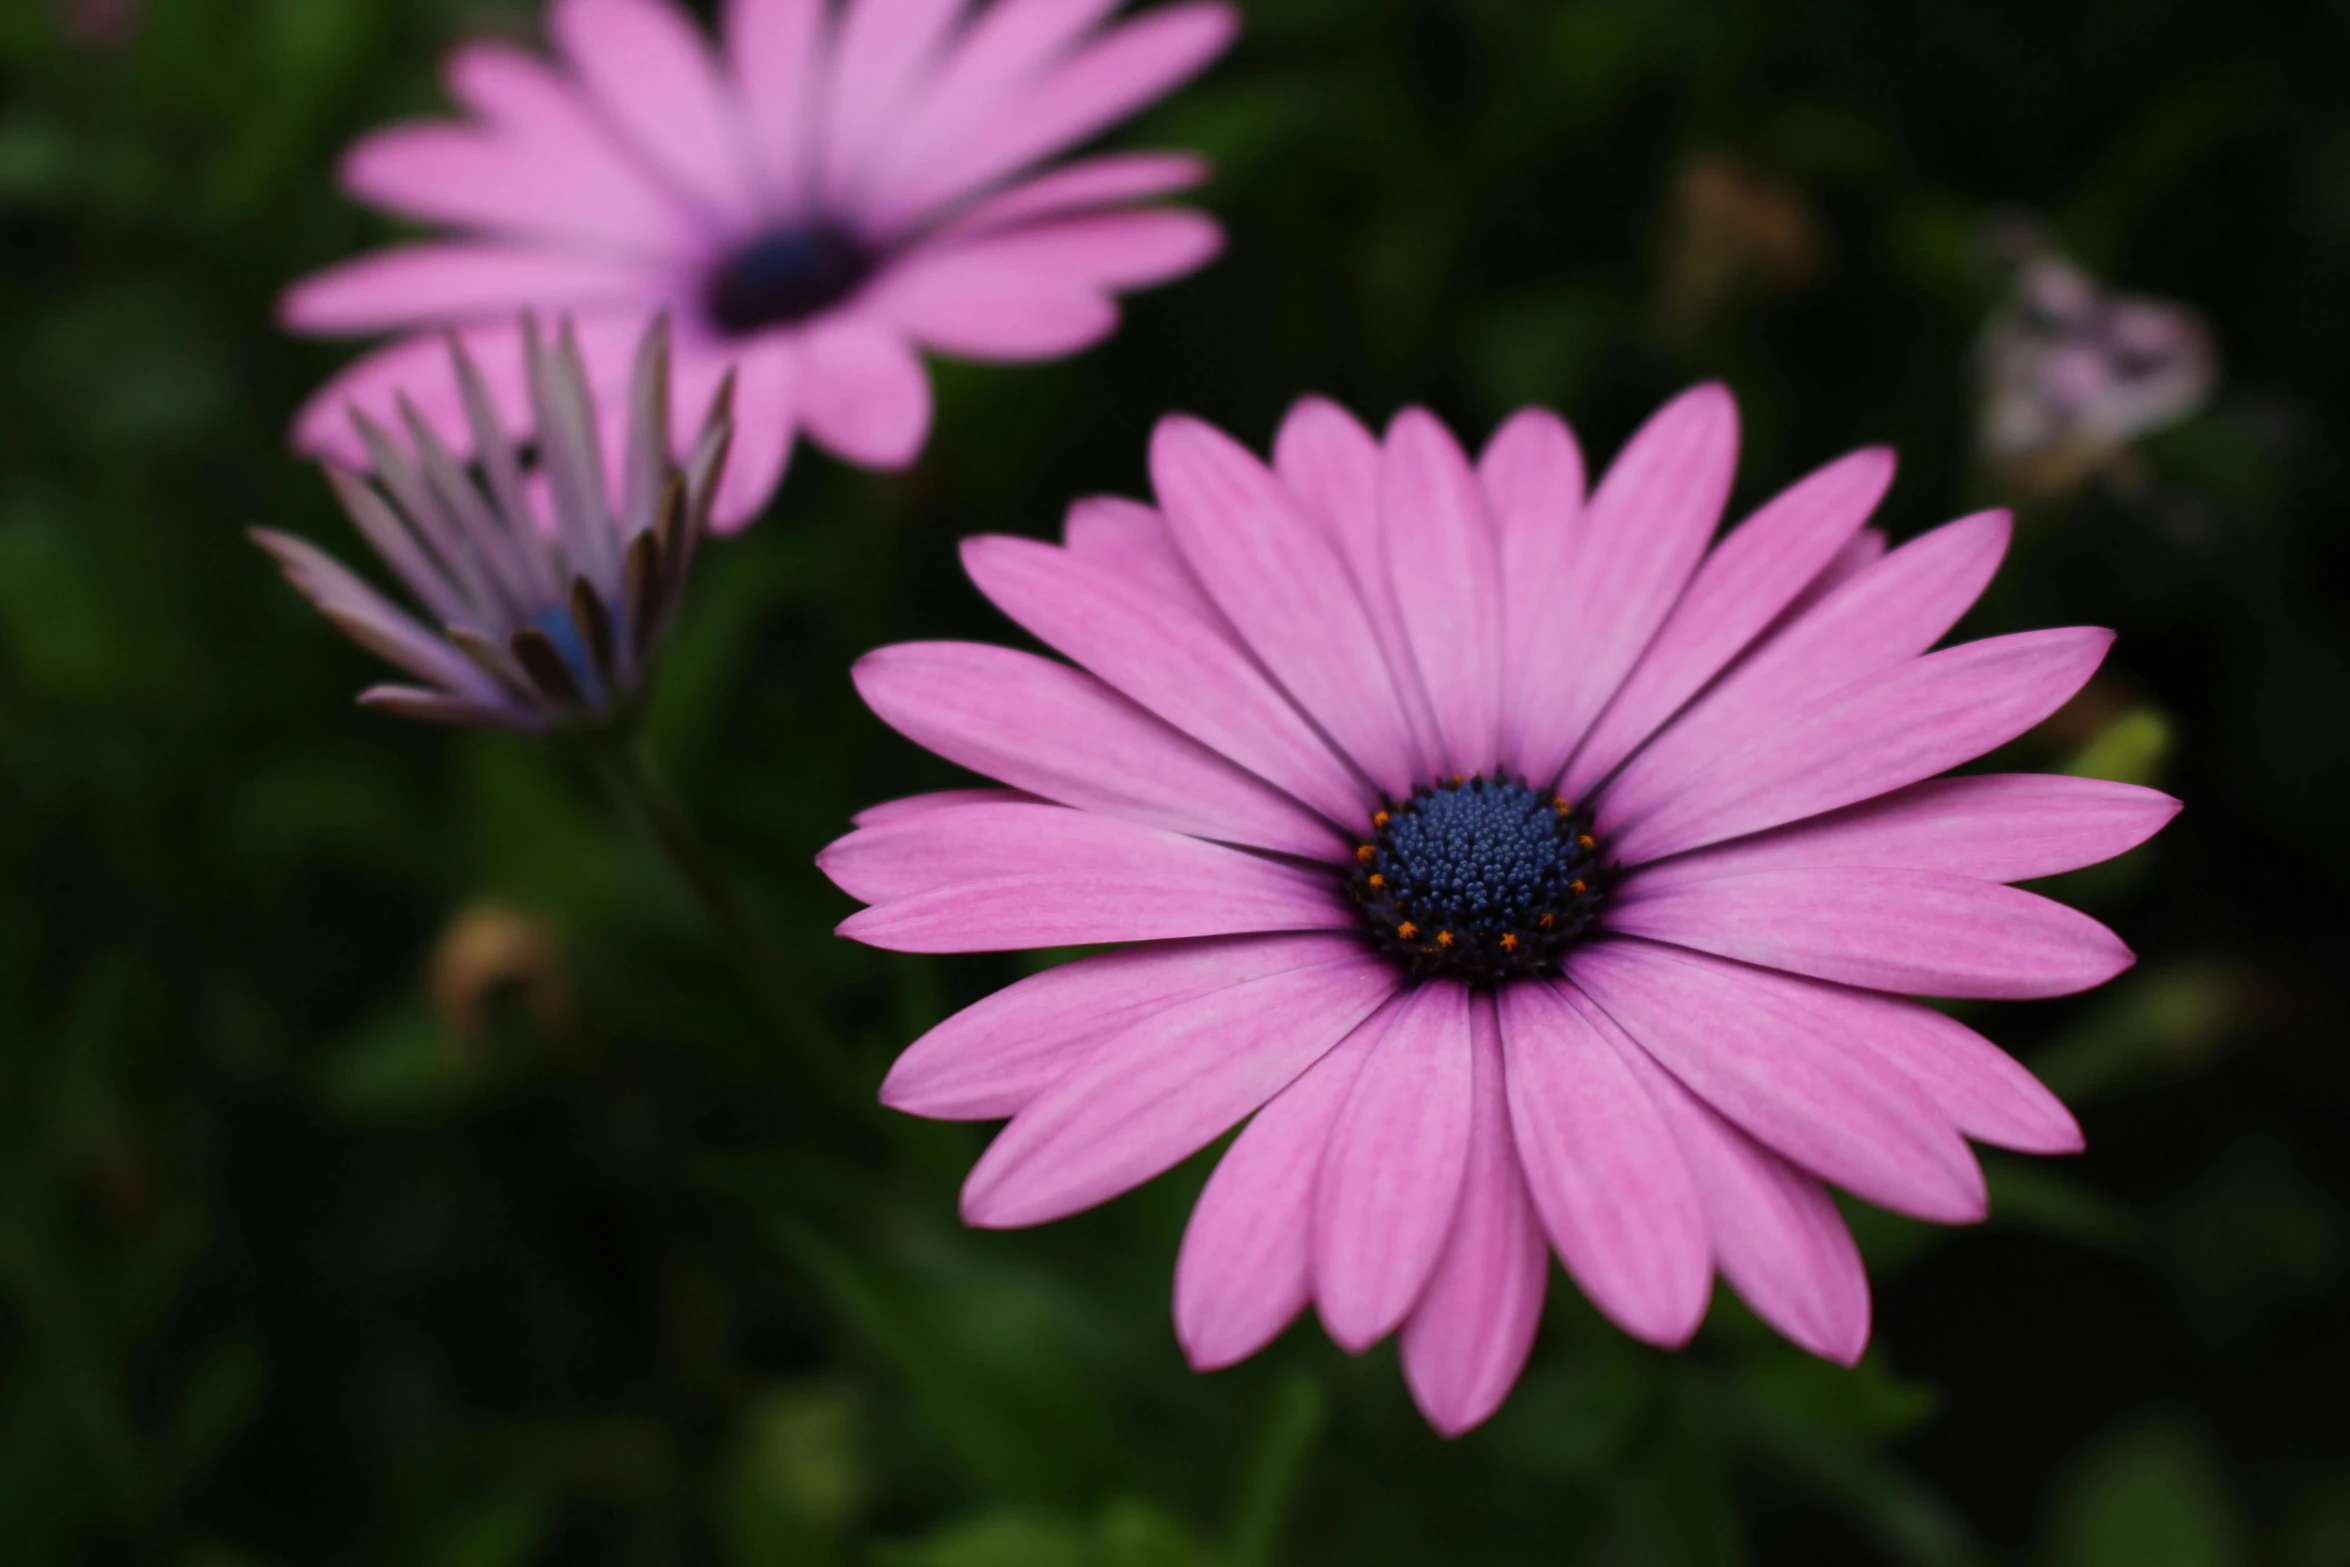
1479	878
785	276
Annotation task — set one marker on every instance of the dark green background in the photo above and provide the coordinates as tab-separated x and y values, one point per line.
291	1272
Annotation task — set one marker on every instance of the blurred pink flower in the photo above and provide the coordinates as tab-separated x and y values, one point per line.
837	188
1537	878
551	586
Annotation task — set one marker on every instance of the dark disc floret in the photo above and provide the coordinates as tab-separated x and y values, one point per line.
1479	878
784	276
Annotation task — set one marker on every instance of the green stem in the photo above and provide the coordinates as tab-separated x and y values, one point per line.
625	771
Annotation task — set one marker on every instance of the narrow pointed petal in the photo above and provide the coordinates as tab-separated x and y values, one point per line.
1392	1176
864	393
1738	592
439	707
1639	540
652	75
1777	1235
990	1059
1602	1166
436	281
1273	575
1060	733
1165	1089
1748	1043
913	805
372	620
1053	877
1863	550
1170	662
1444	560
1115	179
883	52
1469	1337
1532	475
1133	541
1330	465
1994	827
1884	617
1246	1267
1924	933
1885	732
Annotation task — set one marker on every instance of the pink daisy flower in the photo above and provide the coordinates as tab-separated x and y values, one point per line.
1527	875
837	188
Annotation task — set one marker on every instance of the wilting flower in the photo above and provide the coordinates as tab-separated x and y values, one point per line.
1534	875
2071	374
841	186
551	587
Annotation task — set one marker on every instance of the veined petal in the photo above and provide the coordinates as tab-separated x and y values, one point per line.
1245	1270
1635	547
1993	827
1602	1166
1064	878
1133	541
1742	587
1391	1177
1916	932
1748	1043
1165	1089
1171	662
1274	576
1880	734
889	812
1469	1337
651	74
1532	475
1777	1235
1444	560
1887	614
990	1059
1060	733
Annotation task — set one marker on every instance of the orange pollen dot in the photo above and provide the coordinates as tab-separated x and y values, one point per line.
1509	941
1366	854
1577	888
1547	921
1563	806
1444	938
1380	819
1458	779
1587	842
1377	882
1408	931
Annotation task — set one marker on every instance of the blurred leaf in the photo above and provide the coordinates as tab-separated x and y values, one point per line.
507	1532
2135	748
1129	1534
1270	1479
2152	1024
2150	1499
797	1478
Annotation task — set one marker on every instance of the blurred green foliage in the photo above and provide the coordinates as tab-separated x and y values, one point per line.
310	1252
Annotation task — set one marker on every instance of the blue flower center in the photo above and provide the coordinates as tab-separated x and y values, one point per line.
1479	878
785	276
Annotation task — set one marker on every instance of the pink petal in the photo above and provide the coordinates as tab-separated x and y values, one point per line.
998	57
1271	573
1737	593
1777	1234
1116	179
1748	1042
1171	662
768	395
990	1059
650	71
1602	1166
1445	563
1060	733
1391	1179
884	51
1532	475
863	393
1635	548
1863	550
1888	614
433	283
373	621
1092	89
1469	1337
1165	1089
1133	541
913	805
1993	827
1330	465
419	368
774	47
1062	878
1890	730
1917	932
1245	1270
